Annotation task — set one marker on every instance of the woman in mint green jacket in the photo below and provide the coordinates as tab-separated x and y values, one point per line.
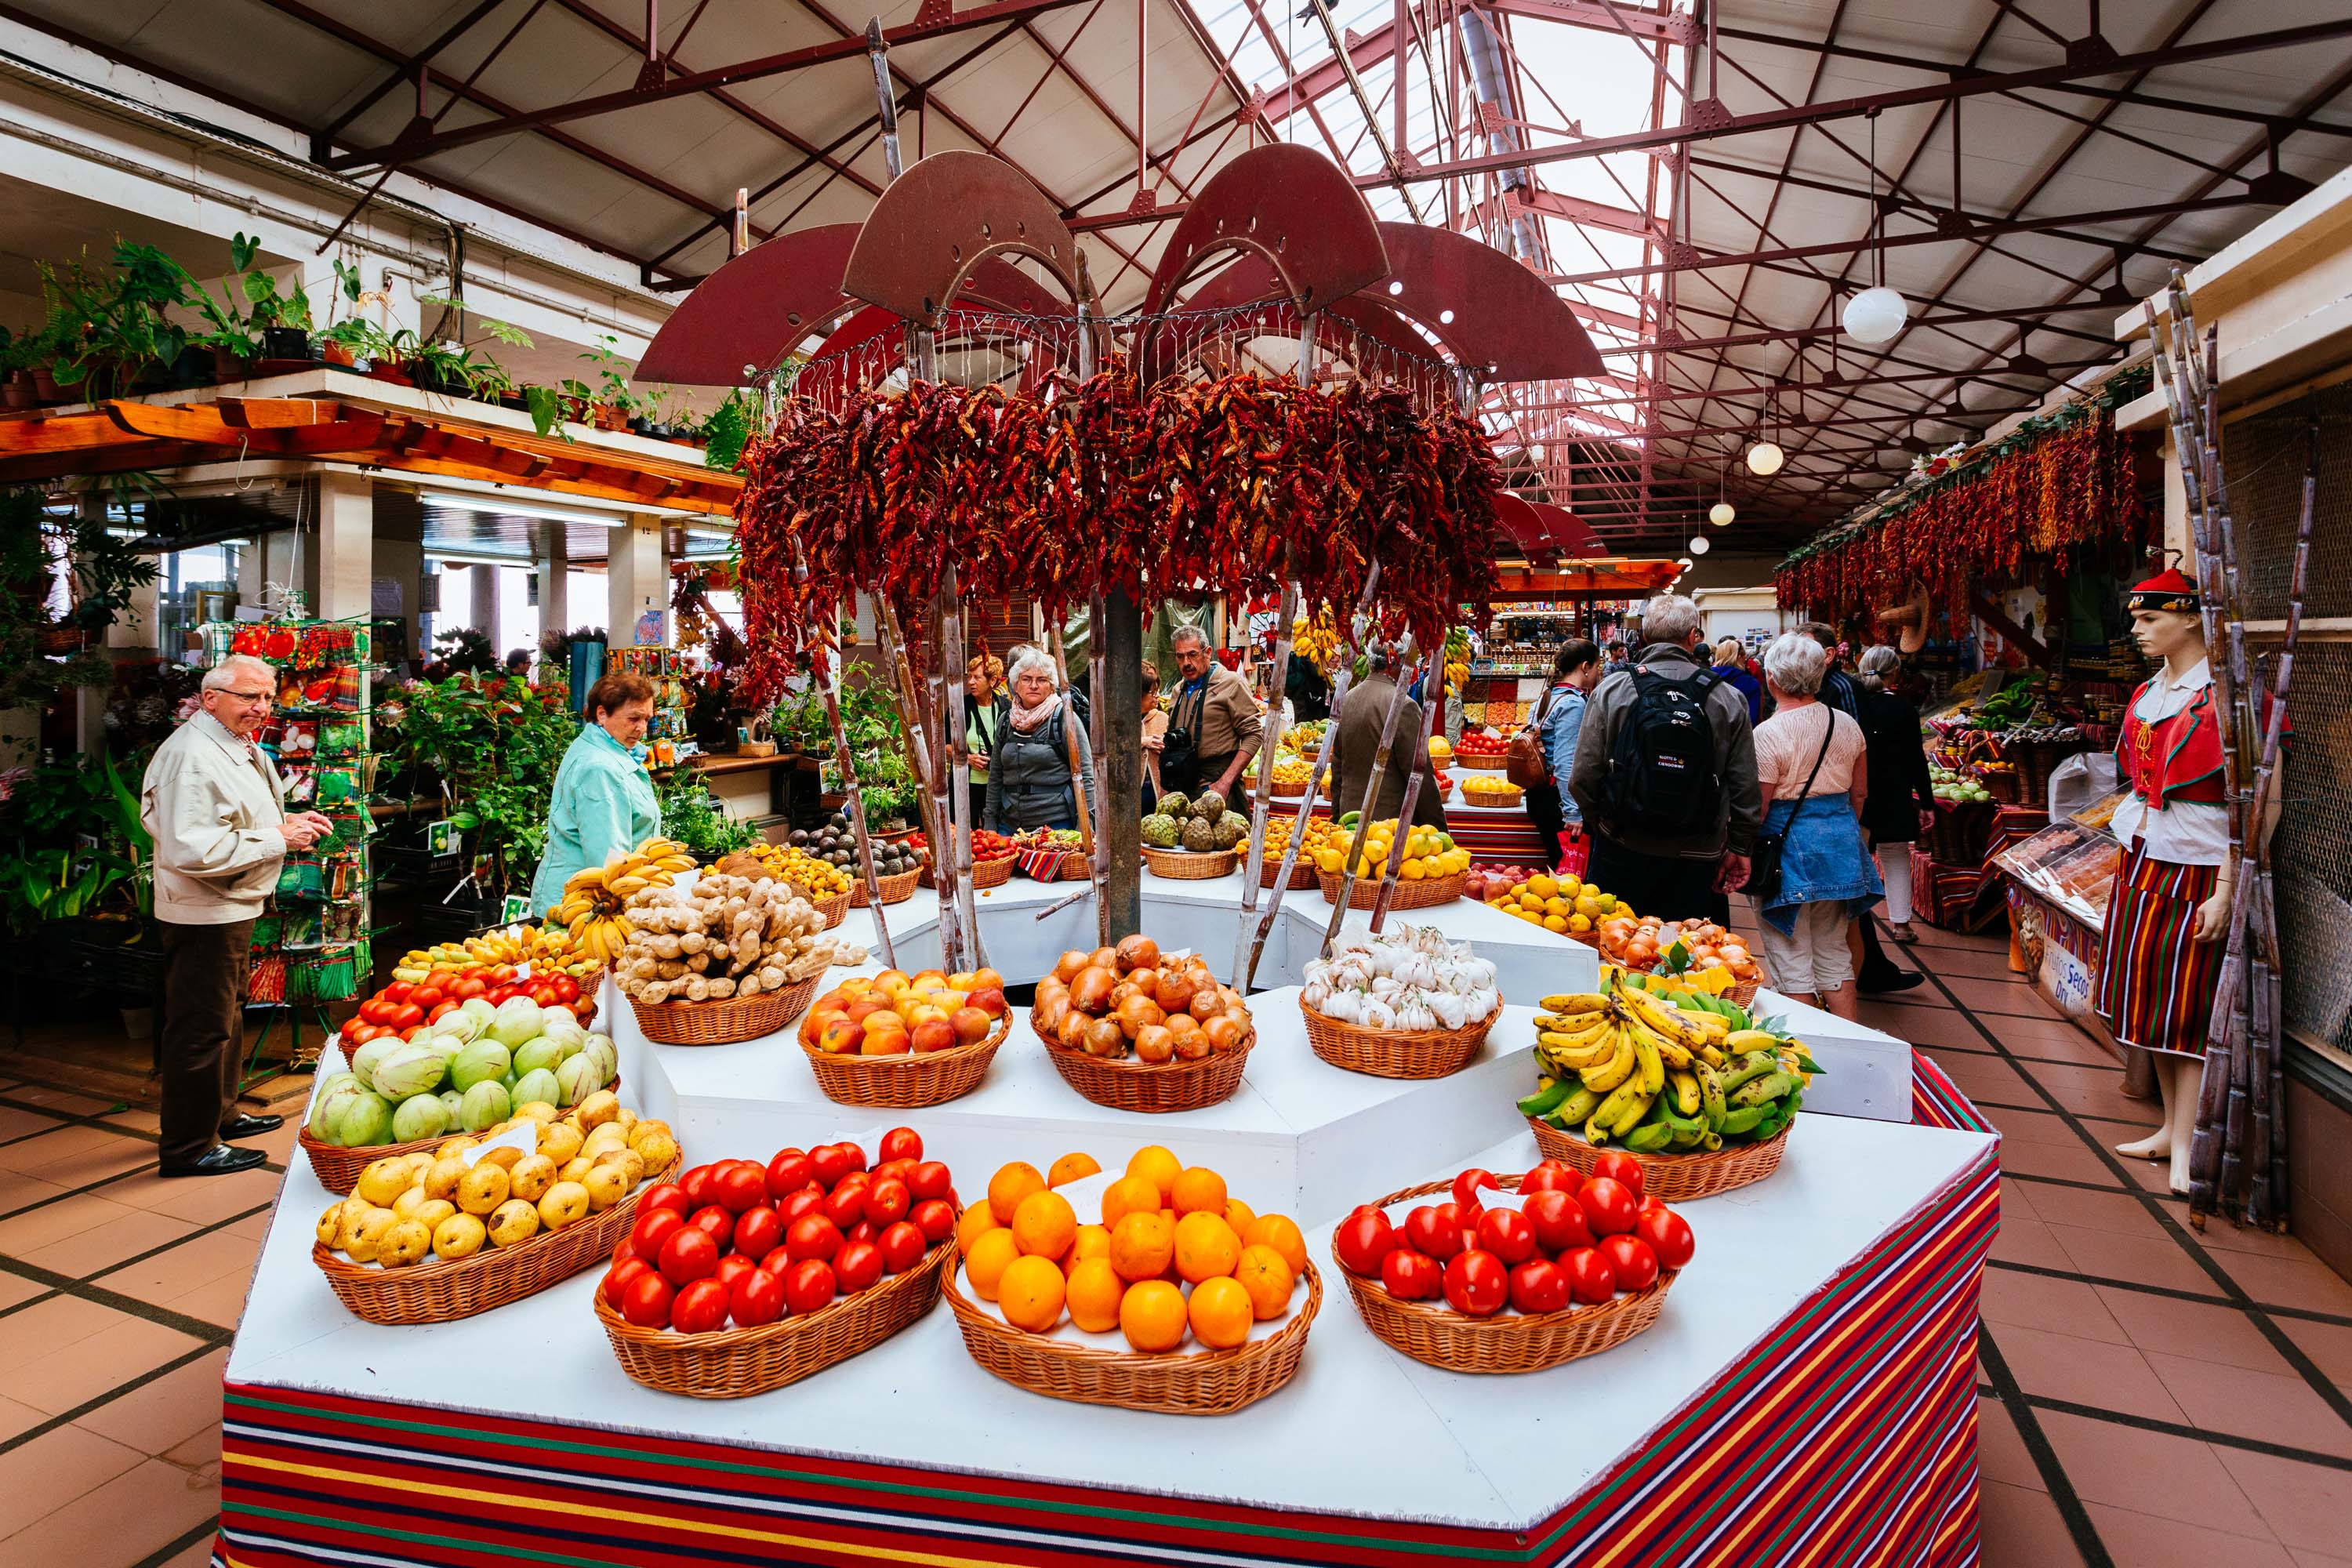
604	798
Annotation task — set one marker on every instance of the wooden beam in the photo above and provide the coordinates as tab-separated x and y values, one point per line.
57	433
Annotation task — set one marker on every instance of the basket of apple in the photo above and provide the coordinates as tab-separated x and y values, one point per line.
898	1040
741	1277
1516	1273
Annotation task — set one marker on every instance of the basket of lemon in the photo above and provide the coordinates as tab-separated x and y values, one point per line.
1433	871
1568	905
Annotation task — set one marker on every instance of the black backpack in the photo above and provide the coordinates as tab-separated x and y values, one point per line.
1662	777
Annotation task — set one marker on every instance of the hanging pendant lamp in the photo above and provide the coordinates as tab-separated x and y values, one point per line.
1877	313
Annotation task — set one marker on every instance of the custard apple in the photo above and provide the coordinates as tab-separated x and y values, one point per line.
1209	803
1231	830
1174	806
1160	832
1199	834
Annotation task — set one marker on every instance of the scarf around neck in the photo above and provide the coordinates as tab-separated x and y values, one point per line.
1026	719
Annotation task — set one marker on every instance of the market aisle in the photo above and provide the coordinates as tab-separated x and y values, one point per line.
2146	1397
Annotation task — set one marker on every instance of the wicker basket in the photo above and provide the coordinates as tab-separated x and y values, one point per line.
1744	993
1302	875
1494	799
1198	1382
832	910
985	873
895	889
1190	865
1418	895
726	1023
728	1363
338	1168
437	1292
1152	1088
1434	1332
1395	1053
1674	1178
2001	784
932	1077
1477	765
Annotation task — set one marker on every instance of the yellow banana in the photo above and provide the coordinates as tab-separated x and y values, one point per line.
1670	1022
1740	1040
622	887
1610	1115
1607	1076
1580	1058
1686	1095
1575	1002
1713	1025
1713	1056
1571	1032
1645	1053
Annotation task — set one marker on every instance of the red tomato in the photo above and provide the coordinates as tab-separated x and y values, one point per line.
1629	1256
1363	1240
893	1170
412	1031
715	1223
935	1218
1558	1219
357	1034
428	994
1410	1276
1589	1278
542	995
1470	1182
888	1201
928	1179
688	1255
504	974
808	1200
1551	1176
468	988
740	1186
652	1229
845	1205
809	1285
700	1308
399	991
668	1195
778	1263
1476	1284
1507	1234
903	1246
863	1230
831	1163
1618	1166
731	1268
566	989
371	1011
1669	1236
856	1181
616	1281
646	1301
624	1252
1608	1204
1433	1229
902	1143
759	1231
859	1265
788	1172
695	1184
812	1235
1539	1285
407	1015
440	1010
499	996
756	1298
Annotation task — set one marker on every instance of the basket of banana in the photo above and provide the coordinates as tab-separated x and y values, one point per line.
592	901
1705	1106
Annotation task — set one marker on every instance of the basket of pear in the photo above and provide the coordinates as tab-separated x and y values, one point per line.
486	1219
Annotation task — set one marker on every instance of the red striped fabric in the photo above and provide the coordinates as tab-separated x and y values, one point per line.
2155	983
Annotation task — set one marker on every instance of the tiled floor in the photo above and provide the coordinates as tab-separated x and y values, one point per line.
2147	1394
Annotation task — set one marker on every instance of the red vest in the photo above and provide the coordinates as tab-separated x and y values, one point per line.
2177	758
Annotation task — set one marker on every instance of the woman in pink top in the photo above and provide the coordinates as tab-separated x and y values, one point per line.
1808	759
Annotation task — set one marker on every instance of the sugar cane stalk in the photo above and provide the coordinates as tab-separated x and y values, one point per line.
1261	799
1412	796
1371	794
1098	688
1070	742
960	786
826	673
912	717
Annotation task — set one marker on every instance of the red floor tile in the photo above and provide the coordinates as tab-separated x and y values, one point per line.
2028	1242
2037	1302
2021	1525
2276	1407
2119	1212
131	1517
2143	1541
2105	1376
2059	1161
2002	1454
2288	1282
2168	1325
2152	1473
2329	1346
2303	1506
51	1471
2139	1260
105	1361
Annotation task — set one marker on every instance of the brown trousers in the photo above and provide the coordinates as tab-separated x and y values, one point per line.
204	971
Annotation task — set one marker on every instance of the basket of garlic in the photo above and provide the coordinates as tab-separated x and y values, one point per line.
1405	1004
728	959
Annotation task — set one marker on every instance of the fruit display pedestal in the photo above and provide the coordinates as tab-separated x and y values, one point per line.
1807	1393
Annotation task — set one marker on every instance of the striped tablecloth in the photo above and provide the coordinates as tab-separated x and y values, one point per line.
1848	1437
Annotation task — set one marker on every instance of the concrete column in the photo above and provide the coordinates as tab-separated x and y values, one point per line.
484	582
636	580
346	547
554	582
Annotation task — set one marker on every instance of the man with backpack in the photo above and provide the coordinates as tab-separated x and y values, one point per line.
1665	775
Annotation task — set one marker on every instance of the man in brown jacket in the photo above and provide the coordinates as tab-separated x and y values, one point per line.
1358	741
1214	708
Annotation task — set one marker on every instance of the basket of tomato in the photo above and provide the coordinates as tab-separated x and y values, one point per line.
741	1277
1576	1266
407	1007
991	858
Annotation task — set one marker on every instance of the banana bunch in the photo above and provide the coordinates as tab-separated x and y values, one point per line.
1318	639
591	906
1625	1064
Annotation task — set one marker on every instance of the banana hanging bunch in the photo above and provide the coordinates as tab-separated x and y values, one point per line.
1625	1064
1318	639
592	899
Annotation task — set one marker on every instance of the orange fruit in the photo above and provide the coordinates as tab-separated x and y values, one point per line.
1043	1225
1280	1232
1158	1166
1141	1246
1070	1168
1030	1294
1128	1195
990	1257
1198	1191
1088	1241
1206	1247
1010	1185
1219	1312
1094	1293
1268	1279
976	1219
1152	1316
1240	1216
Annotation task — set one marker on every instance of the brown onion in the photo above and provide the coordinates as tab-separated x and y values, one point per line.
1106	958
1146	979
1138	952
1154	1043
1071	1033
1183	1024
1137	1013
1048	1014
1222	1033
1205	1004
1191	1045
1174	990
1067	968
1105	1038
1090	991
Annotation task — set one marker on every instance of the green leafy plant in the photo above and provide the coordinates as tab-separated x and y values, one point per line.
695	819
730	427
493	746
106	574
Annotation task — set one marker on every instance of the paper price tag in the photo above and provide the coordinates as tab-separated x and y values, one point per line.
522	1137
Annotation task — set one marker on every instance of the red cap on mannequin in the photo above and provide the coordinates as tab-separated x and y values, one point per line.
2167	590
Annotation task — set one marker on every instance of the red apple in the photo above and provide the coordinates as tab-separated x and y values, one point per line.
971	1025
933	1035
841	1037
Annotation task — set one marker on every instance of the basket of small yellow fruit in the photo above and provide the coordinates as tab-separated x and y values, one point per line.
1278	826
1565	904
825	885
1479	789
1431	872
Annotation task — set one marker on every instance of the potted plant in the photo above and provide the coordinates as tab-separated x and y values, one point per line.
609	400
336	344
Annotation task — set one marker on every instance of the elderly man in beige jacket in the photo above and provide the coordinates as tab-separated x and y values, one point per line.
214	805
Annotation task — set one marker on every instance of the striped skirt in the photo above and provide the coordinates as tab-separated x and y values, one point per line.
2155	985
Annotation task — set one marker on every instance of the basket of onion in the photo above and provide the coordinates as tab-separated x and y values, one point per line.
1133	1030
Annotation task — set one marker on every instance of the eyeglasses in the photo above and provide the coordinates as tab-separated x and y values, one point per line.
246	696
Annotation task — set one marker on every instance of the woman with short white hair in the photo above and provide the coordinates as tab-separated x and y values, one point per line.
1809	763
1029	765
1901	805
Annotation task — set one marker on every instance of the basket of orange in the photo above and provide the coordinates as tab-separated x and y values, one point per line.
1176	1299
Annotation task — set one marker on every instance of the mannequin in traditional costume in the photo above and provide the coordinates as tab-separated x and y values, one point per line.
2169	908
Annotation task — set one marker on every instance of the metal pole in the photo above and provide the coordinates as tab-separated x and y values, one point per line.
879	54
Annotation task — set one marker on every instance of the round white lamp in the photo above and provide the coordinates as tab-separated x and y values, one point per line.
1721	513
1764	460
1875	315
1698	545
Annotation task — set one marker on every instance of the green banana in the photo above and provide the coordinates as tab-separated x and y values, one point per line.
1650	1138
1742	1122
1763	1090
1710	1094
1577	1107
1635	1113
1747	1069
1549	1092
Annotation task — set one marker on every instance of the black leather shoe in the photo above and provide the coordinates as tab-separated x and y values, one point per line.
252	1126
220	1159
1892	980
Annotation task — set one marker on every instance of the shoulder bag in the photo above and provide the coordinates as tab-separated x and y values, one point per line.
1764	859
